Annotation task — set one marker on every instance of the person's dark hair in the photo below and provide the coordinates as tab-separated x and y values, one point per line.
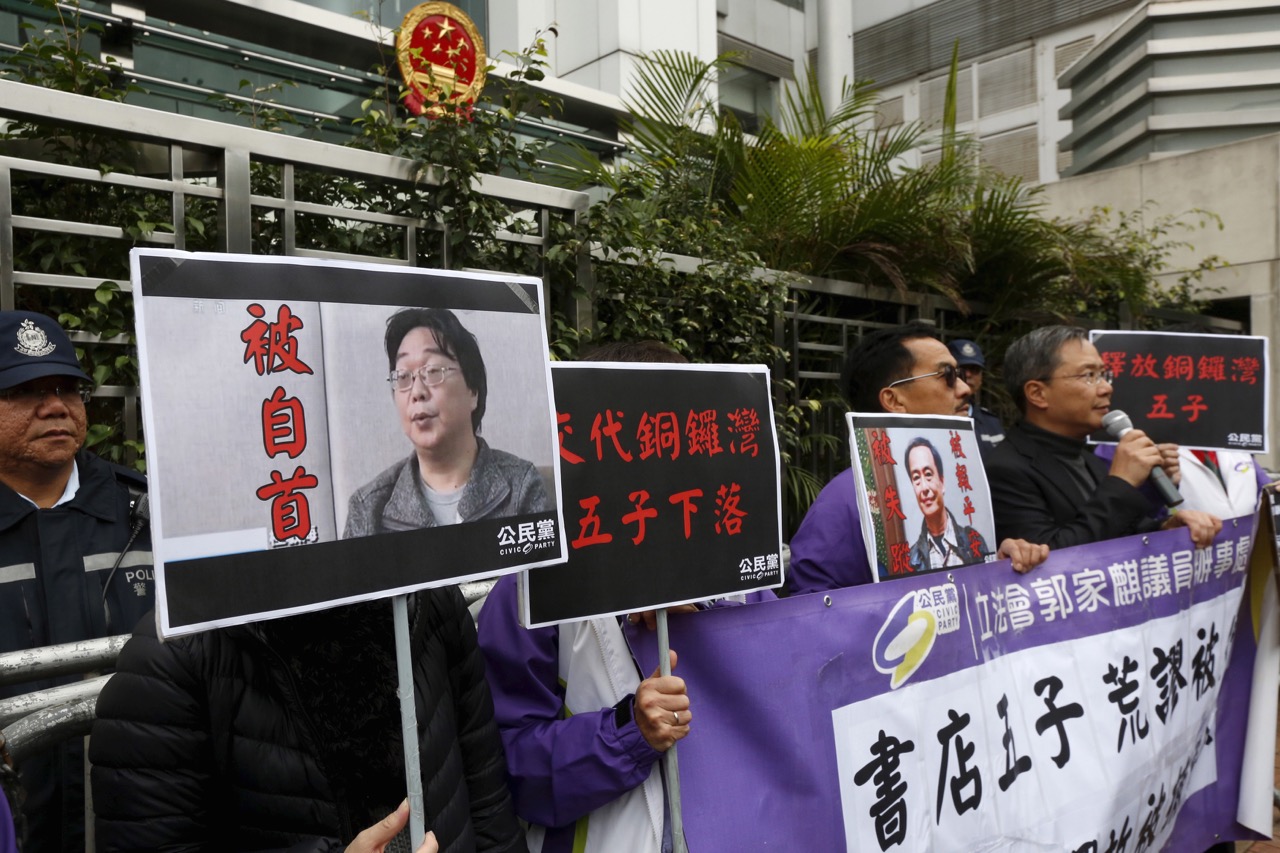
1036	355
650	352
921	441
878	358
455	342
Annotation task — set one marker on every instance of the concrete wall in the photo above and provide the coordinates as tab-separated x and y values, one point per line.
1241	184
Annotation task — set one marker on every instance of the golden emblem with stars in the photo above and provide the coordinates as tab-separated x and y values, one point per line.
441	57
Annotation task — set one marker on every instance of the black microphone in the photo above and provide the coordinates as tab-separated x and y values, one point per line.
1117	423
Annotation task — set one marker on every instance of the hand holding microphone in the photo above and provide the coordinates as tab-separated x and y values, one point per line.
1145	455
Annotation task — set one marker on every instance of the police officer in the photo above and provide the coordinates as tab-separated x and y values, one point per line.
985	422
75	551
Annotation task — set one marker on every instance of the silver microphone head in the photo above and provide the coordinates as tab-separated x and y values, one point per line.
1115	422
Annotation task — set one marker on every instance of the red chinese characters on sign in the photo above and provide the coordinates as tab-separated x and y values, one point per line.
1183	367
1144	365
702	433
962	478
638	515
892	504
290	512
1245	370
284	425
1212	367
273	347
968	509
744	423
685	499
957	449
1115	361
1179	367
562	422
659	435
590	522
728	512
881	452
900	558
612	426
1159	408
1195	405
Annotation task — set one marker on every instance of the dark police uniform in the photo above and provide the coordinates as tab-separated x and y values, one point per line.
57	586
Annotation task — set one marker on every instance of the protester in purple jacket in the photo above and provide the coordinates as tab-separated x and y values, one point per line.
582	732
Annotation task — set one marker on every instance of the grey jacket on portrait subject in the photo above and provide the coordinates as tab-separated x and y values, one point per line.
501	484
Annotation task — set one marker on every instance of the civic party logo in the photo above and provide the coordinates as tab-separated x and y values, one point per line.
905	639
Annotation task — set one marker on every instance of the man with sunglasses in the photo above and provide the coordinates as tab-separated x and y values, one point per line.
75	552
901	370
1046	483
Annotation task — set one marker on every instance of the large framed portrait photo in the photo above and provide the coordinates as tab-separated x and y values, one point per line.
324	432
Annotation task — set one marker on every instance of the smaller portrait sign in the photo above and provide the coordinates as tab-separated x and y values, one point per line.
441	57
922	492
671	489
1207	392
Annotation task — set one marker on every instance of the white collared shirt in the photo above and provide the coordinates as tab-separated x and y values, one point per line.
73	486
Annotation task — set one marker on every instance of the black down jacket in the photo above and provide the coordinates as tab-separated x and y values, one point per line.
229	740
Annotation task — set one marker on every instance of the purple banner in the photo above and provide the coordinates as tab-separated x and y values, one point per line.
779	689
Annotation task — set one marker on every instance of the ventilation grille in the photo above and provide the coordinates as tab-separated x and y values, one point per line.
757	58
1007	83
889	113
933	97
921	40
1015	153
1065	55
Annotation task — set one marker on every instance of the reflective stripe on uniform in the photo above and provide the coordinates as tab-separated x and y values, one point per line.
98	562
17	572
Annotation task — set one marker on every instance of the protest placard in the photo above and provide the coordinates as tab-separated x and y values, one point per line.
922	492
287	471
671	490
1104	696
1200	391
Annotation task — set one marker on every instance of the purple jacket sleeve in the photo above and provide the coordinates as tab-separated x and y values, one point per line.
559	769
827	551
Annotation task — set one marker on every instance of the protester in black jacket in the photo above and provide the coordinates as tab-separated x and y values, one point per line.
285	735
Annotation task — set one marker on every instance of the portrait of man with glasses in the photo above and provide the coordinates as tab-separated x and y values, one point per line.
75	550
1047	485
439	388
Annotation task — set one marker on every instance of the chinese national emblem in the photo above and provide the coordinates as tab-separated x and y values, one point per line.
32	340
441	56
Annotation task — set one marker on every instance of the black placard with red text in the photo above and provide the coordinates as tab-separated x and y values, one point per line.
670	489
1199	391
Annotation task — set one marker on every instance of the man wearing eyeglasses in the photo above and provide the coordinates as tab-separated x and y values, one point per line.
1046	484
75	552
901	370
439	388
